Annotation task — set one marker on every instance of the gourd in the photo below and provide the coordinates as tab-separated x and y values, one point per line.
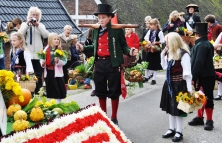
59	110
36	114
27	97
20	114
13	108
20	125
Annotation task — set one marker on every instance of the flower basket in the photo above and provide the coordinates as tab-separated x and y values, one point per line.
133	77
187	108
30	85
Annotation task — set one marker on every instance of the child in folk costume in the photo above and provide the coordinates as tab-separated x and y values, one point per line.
178	79
203	74
132	41
53	72
155	39
109	47
217	50
20	55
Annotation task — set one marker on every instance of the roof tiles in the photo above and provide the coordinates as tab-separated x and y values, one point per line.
54	16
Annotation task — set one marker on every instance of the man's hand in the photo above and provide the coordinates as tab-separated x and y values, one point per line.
79	47
133	52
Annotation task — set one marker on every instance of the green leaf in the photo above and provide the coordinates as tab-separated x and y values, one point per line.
30	105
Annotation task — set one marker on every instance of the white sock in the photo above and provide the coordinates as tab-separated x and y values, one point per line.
146	73
219	88
58	101
154	75
150	72
171	123
93	85
179	121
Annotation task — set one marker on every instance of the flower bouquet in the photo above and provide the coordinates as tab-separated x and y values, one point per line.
217	61
61	54
3	38
144	45
9	87
190	102
41	55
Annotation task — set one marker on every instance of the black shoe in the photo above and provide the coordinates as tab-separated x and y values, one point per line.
145	79
153	82
169	134
218	97
209	125
93	93
196	121
177	139
115	121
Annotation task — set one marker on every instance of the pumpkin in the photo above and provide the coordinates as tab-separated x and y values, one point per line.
13	108
36	114
27	97
20	114
20	125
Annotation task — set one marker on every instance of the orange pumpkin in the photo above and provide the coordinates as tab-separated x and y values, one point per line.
27	97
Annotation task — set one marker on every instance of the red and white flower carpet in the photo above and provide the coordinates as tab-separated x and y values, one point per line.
90	125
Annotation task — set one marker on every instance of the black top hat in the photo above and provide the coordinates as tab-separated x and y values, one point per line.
196	7
104	9
201	28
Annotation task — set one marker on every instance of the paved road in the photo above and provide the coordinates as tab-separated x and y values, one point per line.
141	119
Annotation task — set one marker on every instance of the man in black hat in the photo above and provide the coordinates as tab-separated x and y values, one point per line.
203	74
109	47
191	18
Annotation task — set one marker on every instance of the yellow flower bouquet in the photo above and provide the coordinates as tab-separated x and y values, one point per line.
4	37
41	54
190	102
61	54
9	87
144	45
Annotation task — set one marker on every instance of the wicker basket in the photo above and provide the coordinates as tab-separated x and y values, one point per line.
79	76
30	85
133	79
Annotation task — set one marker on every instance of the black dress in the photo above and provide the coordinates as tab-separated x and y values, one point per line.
55	86
178	84
154	58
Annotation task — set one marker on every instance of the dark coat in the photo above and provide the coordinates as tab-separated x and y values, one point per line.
195	19
144	34
117	45
178	23
202	59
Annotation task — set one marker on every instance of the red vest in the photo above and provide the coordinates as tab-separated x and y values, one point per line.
103	46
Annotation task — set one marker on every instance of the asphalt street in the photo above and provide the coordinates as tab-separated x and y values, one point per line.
141	119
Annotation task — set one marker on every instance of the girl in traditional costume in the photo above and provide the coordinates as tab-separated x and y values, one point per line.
53	72
177	63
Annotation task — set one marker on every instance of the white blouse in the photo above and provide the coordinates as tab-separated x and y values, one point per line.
186	65
160	35
217	41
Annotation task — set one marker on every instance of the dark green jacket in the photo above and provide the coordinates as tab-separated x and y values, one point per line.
202	59
117	45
